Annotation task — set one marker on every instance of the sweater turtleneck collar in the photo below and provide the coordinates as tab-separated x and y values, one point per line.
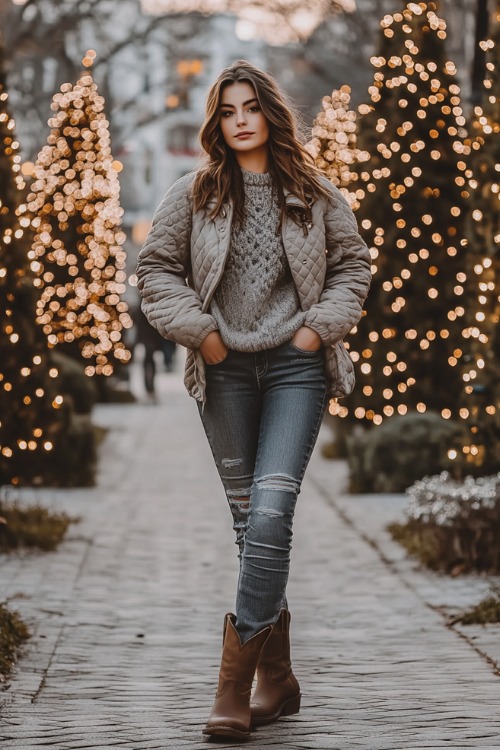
256	178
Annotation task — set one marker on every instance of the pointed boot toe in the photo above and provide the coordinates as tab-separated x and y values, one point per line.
231	715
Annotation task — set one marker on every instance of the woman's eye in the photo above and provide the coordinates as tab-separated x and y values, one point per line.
226	113
254	109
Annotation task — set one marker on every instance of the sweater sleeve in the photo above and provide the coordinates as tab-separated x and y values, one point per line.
169	303
348	273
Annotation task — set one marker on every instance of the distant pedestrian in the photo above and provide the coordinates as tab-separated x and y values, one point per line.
254	263
153	342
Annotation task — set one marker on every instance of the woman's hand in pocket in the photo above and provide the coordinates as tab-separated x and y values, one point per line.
213	349
306	339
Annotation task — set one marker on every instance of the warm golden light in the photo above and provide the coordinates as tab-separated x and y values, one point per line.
333	144
426	241
75	198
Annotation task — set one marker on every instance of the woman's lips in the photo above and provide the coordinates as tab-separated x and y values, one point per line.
245	134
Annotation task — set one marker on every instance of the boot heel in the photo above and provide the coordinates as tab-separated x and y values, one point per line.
292	706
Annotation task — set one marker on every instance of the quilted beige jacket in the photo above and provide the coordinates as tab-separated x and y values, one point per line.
183	260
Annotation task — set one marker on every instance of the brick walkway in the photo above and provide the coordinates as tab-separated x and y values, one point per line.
127	614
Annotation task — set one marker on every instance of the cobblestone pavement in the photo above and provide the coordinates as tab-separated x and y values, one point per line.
127	615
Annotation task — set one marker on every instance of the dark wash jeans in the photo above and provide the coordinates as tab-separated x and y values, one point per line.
262	417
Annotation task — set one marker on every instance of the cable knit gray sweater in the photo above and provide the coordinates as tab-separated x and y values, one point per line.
256	305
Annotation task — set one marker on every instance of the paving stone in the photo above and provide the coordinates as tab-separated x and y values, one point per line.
127	614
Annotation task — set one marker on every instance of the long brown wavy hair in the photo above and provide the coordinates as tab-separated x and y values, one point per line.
292	168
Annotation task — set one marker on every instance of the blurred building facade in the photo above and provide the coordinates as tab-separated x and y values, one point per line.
167	81
154	72
339	50
172	80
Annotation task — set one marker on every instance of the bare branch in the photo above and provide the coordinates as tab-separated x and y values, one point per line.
126	42
278	21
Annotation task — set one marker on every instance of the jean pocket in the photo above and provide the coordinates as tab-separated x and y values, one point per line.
302	352
220	362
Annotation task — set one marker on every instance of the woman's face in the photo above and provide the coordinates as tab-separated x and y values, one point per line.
244	127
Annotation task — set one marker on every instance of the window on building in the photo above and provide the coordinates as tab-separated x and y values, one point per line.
183	139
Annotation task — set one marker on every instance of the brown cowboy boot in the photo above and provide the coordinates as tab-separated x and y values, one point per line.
231	715
277	692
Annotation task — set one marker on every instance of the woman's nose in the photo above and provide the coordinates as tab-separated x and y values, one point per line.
240	117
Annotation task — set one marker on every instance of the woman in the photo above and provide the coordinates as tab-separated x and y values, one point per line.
254	264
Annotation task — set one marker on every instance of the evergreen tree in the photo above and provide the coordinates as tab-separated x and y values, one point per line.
334	149
333	143
409	344
482	370
32	421
77	247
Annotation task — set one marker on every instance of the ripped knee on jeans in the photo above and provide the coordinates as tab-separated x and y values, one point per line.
239	503
278	483
243	503
231	463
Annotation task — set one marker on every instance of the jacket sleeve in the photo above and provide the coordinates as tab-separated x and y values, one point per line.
169	303
348	273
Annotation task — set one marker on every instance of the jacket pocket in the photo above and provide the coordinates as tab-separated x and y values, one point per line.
340	370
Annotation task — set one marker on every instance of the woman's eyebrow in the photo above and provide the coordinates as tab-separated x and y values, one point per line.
249	101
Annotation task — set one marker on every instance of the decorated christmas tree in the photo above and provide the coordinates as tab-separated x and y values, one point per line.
410	344
33	421
333	143
482	368
77	251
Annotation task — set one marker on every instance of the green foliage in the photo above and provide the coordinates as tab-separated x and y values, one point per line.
78	241
77	457
482	226
13	633
32	417
74	383
408	344
337	447
83	392
487	611
453	526
423	542
119	396
115	389
30	527
41	440
403	449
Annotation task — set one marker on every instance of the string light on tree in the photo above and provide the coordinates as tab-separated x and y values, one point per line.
77	252
409	345
32	420
333	144
481	371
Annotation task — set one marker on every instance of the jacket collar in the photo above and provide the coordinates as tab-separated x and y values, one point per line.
293	201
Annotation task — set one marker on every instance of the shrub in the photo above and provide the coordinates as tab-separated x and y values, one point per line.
487	611
77	457
337	447
453	526
75	383
13	633
389	458
115	390
30	527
